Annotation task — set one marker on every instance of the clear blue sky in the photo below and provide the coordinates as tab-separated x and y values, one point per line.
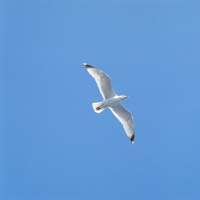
53	146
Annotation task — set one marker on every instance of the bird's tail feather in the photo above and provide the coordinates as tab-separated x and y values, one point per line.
97	107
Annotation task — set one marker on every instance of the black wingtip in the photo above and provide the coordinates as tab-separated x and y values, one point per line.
132	139
87	66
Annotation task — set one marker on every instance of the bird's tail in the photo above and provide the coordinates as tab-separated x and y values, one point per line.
97	107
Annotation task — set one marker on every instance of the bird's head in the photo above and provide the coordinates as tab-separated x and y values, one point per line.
124	96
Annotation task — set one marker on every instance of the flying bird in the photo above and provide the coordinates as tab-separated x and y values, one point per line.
111	101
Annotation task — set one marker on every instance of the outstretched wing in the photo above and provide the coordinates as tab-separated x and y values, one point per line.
103	81
125	117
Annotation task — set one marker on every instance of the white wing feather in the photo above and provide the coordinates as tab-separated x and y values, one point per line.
103	81
125	117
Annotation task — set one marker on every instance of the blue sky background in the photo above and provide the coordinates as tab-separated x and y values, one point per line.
53	145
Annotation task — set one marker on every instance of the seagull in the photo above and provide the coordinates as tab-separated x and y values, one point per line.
111	101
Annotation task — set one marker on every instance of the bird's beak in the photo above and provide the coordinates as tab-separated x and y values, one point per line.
127	96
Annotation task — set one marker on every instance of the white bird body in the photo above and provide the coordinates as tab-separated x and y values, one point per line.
111	101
